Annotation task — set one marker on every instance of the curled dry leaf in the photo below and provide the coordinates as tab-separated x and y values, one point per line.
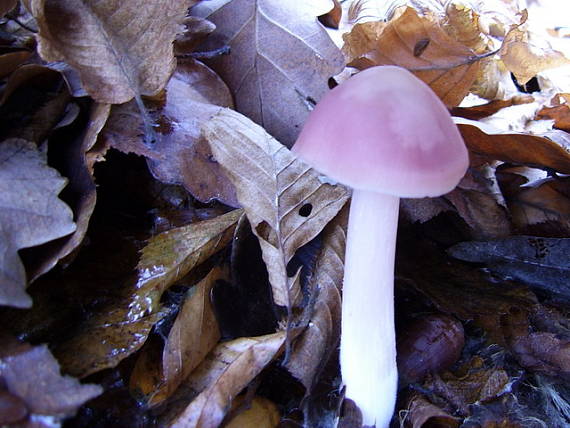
193	335
542	262
559	112
521	149
229	368
419	44
481	111
118	331
526	60
272	45
31	213
32	374
179	155
286	201
322	334
421	412
121	49
80	158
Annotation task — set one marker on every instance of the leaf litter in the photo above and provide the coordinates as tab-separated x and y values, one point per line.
139	297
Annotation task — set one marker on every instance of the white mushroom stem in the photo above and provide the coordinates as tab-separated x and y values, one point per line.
368	343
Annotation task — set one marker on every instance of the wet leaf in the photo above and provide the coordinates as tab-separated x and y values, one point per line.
121	48
419	44
32	374
322	334
226	371
179	156
525	149
31	213
121	329
541	262
268	78
273	187
192	336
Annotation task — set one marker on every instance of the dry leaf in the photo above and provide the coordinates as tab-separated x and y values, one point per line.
280	59
421	412
32	374
260	413
193	335
286	201
526	60
521	149
229	368
179	155
559	112
121	329
332	18
322	334
6	6
12	60
31	213
120	48
419	44
485	110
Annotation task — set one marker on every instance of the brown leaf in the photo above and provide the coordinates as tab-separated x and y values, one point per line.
121	48
526	60
273	187
260	413
322	334
6	6
419	44
12	60
280	59
79	159
332	18
32	374
559	112
421	412
179	155
31	213
525	149
490	108
224	373
120	329
193	335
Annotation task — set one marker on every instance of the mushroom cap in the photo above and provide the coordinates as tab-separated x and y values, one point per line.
385	130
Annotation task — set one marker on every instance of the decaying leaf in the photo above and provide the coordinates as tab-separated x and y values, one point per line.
272	45
121	48
526	60
224	373
286	202
322	333
541	262
193	335
259	413
6	6
179	156
31	213
419	44
32	374
118	331
521	149
421	412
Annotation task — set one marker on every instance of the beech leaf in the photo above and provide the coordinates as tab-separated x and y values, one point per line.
273	187
121	49
30	213
229	368
419	44
121	329
280	59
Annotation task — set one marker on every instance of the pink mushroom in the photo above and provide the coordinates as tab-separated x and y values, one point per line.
384	133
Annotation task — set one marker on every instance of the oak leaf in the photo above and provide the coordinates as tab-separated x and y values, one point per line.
30	213
279	62
286	202
121	49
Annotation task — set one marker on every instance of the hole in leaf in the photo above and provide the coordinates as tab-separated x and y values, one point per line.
305	210
420	47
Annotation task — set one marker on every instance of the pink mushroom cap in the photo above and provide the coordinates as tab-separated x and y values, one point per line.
385	130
